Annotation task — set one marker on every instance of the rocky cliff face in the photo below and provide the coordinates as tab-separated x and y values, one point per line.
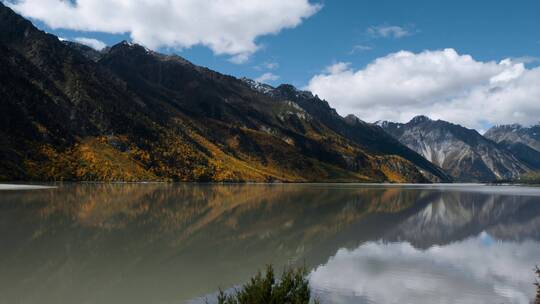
522	142
127	113
463	153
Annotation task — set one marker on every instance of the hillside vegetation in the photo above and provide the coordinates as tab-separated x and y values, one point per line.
530	178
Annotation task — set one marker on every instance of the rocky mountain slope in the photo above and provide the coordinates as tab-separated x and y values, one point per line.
463	153
370	137
127	113
522	142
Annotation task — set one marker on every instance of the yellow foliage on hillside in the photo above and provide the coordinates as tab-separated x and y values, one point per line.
90	160
183	154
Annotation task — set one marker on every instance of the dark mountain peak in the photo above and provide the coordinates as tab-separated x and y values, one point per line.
125	49
309	102
419	119
469	136
127	46
45	51
258	86
285	87
134	51
6	11
352	120
14	27
288	91
87	51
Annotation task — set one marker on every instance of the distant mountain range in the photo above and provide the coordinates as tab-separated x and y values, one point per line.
68	112
505	152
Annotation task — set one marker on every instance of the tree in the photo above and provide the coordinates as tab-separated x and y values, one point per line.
292	288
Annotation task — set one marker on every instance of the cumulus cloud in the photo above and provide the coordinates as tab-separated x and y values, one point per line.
388	31
441	84
267	77
225	26
476	270
93	43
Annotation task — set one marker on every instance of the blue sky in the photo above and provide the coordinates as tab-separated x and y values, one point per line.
487	30
355	34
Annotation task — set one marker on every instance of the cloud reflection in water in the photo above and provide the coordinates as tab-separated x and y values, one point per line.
476	270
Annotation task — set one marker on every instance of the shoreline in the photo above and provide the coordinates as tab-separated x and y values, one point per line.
10	187
30	185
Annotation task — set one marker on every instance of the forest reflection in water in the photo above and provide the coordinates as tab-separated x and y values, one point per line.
172	243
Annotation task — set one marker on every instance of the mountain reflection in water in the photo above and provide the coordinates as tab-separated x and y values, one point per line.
176	243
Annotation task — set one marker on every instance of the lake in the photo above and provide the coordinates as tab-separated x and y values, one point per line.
179	243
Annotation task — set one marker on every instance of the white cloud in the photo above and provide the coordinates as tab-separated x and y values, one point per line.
526	59
476	270
267	77
93	43
388	31
267	65
337	68
271	65
225	26
240	58
360	48
441	84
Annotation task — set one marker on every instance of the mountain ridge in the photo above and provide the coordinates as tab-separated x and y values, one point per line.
523	142
463	153
131	114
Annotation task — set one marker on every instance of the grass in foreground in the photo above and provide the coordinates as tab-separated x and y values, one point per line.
291	288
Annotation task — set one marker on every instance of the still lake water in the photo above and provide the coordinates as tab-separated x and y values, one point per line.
178	243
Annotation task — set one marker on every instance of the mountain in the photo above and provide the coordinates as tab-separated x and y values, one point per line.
522	142
370	137
131	114
85	50
463	153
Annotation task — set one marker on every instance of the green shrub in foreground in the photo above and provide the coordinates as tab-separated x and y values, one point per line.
292	288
